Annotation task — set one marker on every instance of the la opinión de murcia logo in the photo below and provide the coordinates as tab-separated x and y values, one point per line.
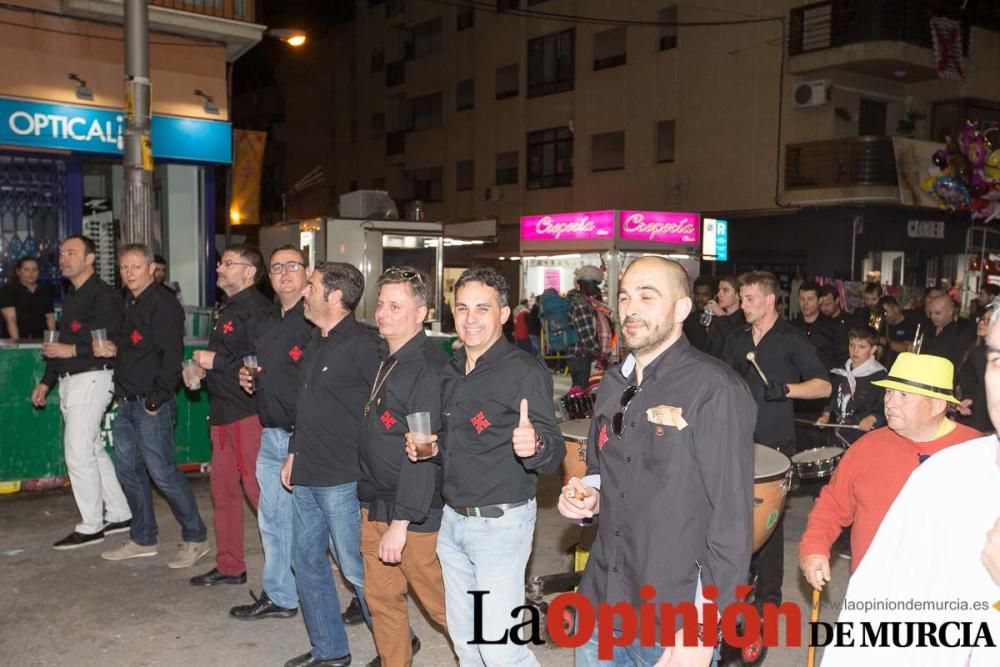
636	224
546	227
739	624
56	126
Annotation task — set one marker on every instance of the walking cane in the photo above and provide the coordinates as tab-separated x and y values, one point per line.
813	617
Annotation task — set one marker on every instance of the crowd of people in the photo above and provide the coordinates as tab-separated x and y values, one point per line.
418	471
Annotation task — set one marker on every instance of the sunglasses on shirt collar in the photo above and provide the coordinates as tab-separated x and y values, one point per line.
617	422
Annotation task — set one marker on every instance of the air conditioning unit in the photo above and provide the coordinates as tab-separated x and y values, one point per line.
368	205
812	93
493	193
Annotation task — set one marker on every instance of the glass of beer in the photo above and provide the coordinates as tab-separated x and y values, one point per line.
100	338
250	363
420	426
192	378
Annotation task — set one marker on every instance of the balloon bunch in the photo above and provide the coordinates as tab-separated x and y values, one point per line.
967	175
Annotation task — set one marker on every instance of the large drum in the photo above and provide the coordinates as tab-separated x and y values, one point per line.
772	477
818	463
575	433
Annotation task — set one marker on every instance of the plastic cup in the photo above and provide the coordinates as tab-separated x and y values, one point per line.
192	380
50	336
420	426
250	363
100	338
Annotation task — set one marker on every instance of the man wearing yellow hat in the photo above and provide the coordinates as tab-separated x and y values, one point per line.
871	473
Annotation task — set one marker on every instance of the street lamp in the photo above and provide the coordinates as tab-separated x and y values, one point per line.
289	36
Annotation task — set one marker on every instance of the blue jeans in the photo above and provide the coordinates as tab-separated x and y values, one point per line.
144	449
632	655
327	516
479	554
274	517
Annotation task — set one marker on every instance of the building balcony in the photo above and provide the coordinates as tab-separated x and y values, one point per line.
889	39
231	22
841	170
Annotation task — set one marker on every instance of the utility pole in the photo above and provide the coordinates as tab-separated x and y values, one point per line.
138	156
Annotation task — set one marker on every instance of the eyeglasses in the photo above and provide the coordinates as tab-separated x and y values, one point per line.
403	274
291	267
617	422
228	262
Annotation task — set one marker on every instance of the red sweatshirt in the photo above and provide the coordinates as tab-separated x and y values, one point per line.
866	482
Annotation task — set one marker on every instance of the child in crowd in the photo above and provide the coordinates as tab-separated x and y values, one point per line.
855	400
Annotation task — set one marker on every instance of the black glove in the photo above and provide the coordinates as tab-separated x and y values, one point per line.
774	392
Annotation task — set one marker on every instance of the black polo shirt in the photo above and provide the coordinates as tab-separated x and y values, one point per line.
720	327
828	336
481	410
672	498
30	307
95	305
786	356
392	487
336	375
903	331
232	337
280	346
952	343
150	345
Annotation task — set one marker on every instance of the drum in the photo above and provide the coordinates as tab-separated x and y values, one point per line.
772	476
818	463
574	463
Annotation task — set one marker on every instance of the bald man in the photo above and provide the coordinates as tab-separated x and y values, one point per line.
949	336
663	442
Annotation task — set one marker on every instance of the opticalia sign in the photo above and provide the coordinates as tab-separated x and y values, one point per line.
660	227
576	226
94	130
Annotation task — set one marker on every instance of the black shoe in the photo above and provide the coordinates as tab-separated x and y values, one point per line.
76	540
215	577
307	660
113	527
262	607
352	615
414	645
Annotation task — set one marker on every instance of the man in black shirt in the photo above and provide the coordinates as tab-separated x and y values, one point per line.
657	441
829	305
27	307
726	315
871	295
401	502
900	330
234	426
323	465
793	371
949	336
701	294
498	434
827	335
148	353
85	391
280	344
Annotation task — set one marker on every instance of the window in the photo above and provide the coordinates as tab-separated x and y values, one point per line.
465	16
665	141
465	95
426	184
607	151
504	5
395	73
507	81
425	112
425	39
551	62
395	143
464	175
668	32
609	48
550	158
378	125
872	118
378	61
506	168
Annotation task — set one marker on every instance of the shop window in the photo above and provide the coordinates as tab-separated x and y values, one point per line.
550	158
465	95
465	175
665	141
668	28
506	168
508	81
551	63
609	48
33	213
607	151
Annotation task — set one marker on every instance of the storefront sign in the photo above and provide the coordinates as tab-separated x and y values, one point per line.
715	240
925	229
94	130
660	226
585	225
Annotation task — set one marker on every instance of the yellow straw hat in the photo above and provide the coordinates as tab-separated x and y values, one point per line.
922	374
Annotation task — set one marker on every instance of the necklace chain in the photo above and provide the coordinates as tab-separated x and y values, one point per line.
377	386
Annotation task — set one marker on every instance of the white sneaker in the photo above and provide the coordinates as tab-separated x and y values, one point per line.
129	549
188	553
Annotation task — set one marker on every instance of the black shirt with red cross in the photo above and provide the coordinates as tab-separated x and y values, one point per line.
280	347
150	346
231	338
481	409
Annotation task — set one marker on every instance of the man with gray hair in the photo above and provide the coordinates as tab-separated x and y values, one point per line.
148	355
950	336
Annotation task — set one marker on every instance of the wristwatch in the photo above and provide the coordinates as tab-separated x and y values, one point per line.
539	444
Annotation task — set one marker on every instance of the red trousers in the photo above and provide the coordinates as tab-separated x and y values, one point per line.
234	462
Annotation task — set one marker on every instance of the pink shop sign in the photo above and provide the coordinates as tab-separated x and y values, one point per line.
660	227
584	225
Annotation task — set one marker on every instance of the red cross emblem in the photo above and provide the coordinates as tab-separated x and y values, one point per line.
136	337
602	437
387	420
75	326
480	422
295	353
228	327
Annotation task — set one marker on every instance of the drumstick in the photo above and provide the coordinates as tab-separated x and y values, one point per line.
812	423
813	617
752	358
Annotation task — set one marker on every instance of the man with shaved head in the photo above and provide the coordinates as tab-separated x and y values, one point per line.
949	336
663	444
